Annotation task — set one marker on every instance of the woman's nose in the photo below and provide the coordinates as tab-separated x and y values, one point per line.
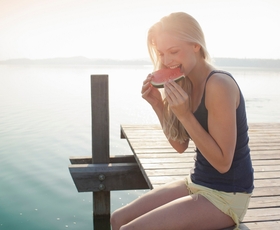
167	60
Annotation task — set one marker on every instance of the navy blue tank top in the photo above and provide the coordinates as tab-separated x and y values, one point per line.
239	178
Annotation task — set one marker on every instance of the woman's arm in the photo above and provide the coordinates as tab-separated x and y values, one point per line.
222	99
153	97
179	147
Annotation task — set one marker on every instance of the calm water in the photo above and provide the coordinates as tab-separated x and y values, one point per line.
46	118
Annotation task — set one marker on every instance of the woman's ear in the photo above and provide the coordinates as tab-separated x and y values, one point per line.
196	47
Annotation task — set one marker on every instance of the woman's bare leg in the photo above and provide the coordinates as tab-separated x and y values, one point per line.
149	201
189	212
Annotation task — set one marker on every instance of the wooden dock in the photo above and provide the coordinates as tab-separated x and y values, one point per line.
154	163
160	163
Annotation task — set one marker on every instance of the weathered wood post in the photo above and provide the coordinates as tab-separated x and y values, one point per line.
102	172
100	145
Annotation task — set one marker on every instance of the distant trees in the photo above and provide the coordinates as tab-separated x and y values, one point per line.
219	62
236	62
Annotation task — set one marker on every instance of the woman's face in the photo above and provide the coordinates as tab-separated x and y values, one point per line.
176	53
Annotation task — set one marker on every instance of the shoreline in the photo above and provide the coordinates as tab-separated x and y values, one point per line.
82	61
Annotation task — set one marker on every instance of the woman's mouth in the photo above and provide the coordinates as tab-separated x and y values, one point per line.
174	67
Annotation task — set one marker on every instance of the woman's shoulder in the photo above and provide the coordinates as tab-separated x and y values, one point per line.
219	79
221	86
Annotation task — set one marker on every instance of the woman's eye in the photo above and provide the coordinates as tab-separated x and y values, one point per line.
174	52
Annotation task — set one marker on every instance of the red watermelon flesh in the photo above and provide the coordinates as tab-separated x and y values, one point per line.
163	75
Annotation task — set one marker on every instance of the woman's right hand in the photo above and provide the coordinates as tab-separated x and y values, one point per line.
150	93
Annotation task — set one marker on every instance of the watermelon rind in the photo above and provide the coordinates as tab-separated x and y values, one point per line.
161	85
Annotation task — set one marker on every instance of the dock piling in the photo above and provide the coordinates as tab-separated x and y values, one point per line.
100	144
102	173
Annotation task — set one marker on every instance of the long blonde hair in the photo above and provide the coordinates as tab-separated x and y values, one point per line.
186	28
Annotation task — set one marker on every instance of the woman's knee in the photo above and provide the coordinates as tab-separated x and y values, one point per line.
117	219
124	227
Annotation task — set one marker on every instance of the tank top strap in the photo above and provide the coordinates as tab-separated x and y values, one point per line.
217	71
211	74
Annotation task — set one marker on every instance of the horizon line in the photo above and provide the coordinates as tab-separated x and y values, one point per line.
80	60
121	59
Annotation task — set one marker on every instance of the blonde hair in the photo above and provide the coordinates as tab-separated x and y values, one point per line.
186	28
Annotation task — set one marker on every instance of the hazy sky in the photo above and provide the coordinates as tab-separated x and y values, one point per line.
117	28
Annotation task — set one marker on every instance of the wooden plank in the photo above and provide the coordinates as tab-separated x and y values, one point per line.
266	162
177	164
182	171
157	180
267	191
124	134
268	202
268	214
271	225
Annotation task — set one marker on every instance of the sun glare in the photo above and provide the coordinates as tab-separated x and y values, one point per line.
102	29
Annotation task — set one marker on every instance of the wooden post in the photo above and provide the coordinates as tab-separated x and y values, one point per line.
101	173
100	119
100	146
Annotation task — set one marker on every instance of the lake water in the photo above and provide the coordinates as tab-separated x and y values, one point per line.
46	117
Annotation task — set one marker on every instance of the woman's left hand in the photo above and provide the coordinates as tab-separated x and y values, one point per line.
177	99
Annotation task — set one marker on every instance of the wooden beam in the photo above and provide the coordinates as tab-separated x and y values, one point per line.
113	159
107	177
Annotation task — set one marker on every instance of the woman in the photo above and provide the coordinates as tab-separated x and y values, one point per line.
207	106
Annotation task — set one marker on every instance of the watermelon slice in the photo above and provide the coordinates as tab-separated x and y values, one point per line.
163	75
